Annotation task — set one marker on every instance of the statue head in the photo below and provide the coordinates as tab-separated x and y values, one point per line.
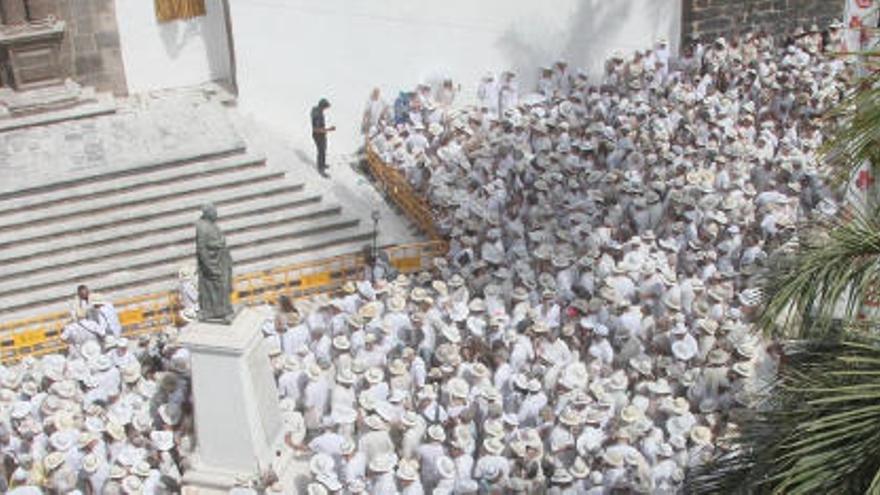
209	211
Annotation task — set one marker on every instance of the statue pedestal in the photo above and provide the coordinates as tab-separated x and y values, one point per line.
237	417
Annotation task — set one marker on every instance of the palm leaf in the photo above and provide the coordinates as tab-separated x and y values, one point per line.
817	430
855	126
827	279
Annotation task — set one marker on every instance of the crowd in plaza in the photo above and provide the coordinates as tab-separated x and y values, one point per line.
111	416
590	330
592	323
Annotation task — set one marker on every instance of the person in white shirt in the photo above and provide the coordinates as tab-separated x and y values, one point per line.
374	111
329	442
487	94
315	396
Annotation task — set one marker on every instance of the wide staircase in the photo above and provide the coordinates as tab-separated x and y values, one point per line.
126	229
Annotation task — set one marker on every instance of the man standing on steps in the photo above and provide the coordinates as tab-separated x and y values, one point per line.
319	134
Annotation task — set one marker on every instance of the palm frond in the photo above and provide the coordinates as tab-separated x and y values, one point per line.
828	278
855	126
817	430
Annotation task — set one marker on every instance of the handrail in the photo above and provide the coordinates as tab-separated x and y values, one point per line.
150	313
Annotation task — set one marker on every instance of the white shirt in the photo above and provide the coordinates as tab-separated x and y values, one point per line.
329	443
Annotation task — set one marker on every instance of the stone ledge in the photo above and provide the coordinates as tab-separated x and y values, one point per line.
27	33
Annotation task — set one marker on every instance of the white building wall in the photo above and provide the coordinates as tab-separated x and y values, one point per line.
171	54
290	53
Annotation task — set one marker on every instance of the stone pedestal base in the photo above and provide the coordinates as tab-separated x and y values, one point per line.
237	417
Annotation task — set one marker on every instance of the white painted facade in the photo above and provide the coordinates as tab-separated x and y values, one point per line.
290	53
171	54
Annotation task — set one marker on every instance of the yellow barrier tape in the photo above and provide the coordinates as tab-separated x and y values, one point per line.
314	280
29	338
131	317
409	264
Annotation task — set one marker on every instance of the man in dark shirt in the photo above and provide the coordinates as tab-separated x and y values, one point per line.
319	134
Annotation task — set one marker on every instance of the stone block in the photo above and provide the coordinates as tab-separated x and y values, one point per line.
718	24
709	13
88	63
82	8
62	9
107	39
14	11
106	21
709	18
104	6
84	23
84	44
40	9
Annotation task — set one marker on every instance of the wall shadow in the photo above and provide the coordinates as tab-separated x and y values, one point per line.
585	40
176	35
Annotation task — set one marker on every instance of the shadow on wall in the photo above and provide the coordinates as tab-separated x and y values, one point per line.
209	30
594	24
177	34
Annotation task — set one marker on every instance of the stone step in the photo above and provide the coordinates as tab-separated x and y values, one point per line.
132	217
141	202
248	245
163	278
103	104
248	207
149	241
40	183
138	179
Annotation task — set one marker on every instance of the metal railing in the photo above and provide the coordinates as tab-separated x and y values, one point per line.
42	334
394	184
150	313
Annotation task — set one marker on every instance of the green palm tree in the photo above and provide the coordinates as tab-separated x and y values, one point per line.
816	428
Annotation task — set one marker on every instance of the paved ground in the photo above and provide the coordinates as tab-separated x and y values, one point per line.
146	129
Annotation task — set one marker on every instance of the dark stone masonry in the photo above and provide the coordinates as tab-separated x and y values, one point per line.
709	19
90	53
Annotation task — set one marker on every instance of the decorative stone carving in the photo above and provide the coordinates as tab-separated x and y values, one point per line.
30	54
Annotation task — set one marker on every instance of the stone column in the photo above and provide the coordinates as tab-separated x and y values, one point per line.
14	12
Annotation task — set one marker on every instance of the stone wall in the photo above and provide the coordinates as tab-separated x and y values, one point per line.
709	19
90	53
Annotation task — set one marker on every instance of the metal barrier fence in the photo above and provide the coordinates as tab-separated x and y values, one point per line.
395	186
42	334
150	313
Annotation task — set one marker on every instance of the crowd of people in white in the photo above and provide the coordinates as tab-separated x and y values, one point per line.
590	329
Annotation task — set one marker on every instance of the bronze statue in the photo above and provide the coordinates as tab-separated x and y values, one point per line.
215	269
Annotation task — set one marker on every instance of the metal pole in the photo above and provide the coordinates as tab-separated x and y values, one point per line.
375	253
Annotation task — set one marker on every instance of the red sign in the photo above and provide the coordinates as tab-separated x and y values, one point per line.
864	180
